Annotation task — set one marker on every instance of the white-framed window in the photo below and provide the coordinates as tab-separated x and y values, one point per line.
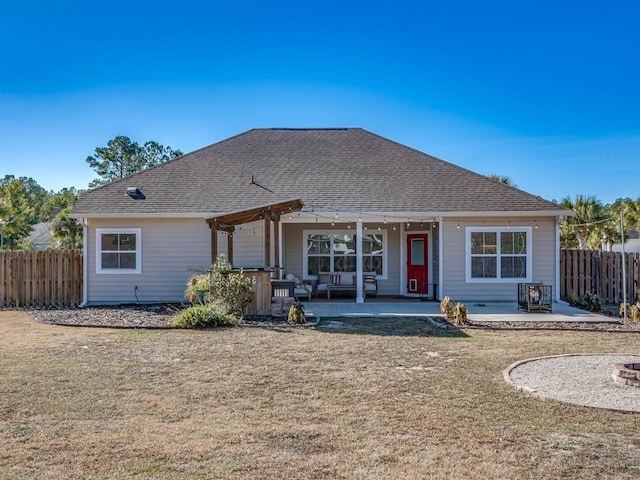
118	250
335	251
498	254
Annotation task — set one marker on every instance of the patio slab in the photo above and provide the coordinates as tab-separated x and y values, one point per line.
484	312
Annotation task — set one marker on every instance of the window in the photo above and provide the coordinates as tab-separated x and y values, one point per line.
118	250
498	254
336	252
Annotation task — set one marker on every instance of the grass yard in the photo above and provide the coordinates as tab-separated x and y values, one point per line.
387	398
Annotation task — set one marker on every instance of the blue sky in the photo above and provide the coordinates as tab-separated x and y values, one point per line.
546	93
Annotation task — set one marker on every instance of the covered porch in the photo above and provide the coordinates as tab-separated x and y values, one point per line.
485	312
403	253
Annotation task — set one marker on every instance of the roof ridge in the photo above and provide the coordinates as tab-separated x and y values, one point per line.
308	128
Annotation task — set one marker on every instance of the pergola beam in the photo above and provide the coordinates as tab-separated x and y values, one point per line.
227	222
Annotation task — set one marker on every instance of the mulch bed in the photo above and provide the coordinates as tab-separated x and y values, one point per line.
160	316
137	316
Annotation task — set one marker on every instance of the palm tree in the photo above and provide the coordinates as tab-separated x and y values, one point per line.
589	212
501	179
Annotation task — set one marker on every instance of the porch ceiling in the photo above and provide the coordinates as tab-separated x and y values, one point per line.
227	221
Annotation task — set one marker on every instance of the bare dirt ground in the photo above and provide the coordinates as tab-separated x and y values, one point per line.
364	398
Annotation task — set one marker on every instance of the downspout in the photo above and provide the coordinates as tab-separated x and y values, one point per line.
85	263
557	272
440	261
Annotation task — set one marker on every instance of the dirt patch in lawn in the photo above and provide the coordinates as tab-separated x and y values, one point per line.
382	398
19	332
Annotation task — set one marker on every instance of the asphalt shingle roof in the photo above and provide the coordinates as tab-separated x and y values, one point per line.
341	169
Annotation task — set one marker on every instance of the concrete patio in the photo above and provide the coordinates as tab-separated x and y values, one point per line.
485	312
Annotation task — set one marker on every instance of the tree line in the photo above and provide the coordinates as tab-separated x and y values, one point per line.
24	203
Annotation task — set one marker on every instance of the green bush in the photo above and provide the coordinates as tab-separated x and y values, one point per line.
213	314
198	289
591	302
232	288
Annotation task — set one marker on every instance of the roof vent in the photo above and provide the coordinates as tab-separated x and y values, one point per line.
135	193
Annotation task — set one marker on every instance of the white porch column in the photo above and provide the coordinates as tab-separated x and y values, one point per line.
359	279
280	272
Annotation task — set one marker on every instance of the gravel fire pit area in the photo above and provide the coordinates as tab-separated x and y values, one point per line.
581	379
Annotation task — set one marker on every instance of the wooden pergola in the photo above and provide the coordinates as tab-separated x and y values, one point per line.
227	222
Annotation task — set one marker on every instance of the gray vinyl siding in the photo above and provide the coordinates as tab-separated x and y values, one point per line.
171	251
454	257
248	246
293	248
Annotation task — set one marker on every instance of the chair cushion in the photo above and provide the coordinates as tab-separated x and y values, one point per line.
369	278
335	279
324	278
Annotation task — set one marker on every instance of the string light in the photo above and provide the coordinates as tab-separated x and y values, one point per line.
536	224
458	225
385	220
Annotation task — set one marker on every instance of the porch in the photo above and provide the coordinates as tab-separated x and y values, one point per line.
410	307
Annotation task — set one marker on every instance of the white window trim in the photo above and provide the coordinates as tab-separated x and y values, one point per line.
385	253
498	230
117	271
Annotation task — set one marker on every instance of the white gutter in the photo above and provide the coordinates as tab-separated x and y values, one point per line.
330	215
427	215
203	215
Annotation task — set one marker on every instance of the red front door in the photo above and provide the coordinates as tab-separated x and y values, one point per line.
417	261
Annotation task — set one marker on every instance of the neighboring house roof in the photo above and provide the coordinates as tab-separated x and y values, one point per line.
337	169
42	235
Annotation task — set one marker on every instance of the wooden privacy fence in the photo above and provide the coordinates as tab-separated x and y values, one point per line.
598	272
52	278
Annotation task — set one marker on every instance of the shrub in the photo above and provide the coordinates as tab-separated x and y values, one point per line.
232	288
633	311
446	308
591	302
213	314
460	314
198	289
296	314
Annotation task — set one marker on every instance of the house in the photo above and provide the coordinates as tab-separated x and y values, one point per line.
631	242
310	201
42	236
